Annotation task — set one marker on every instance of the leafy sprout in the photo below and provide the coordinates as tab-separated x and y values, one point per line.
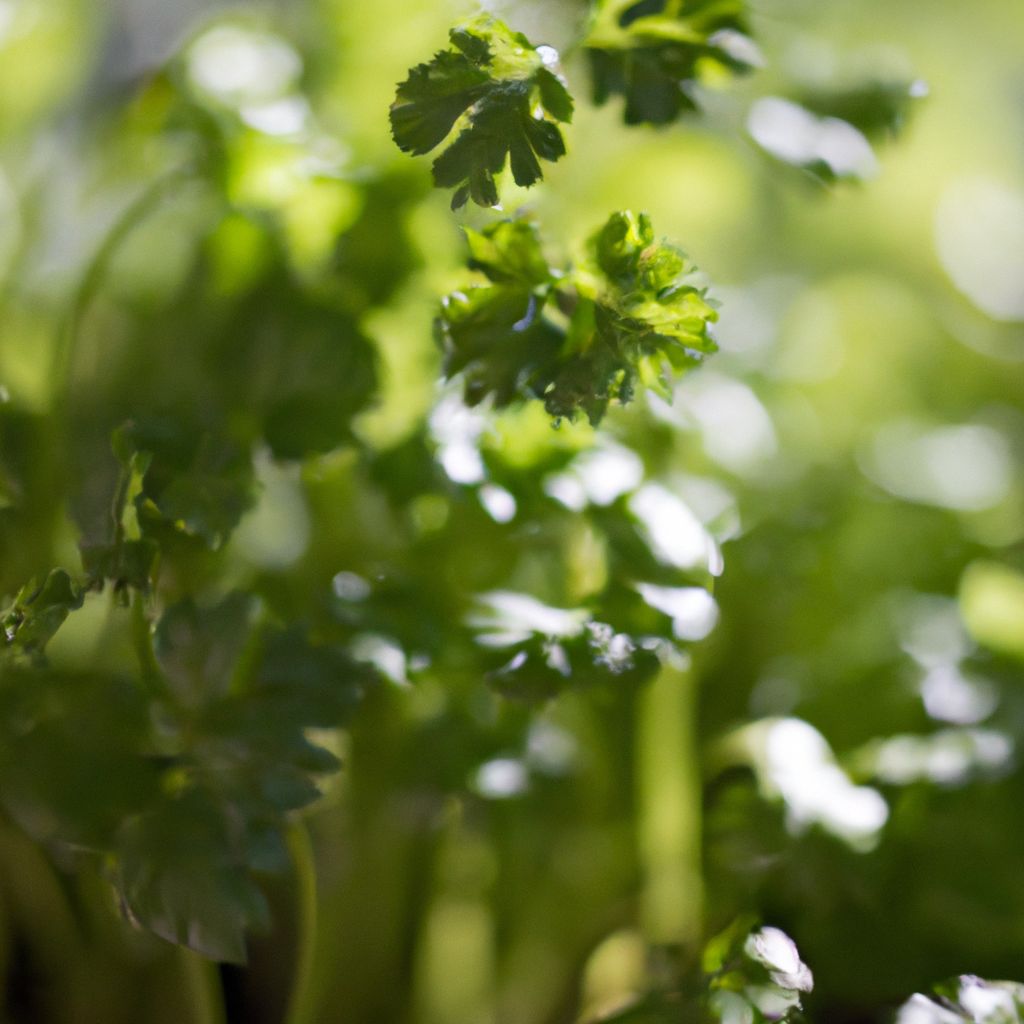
497	91
576	339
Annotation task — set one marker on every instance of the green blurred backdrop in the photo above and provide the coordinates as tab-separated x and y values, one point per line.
838	755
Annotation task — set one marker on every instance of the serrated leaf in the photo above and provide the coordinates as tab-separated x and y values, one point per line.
496	91
577	339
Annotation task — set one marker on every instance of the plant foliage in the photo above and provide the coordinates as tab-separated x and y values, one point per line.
577	339
500	95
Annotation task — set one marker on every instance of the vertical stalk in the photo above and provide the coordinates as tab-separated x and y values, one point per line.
202	988
669	808
302	1000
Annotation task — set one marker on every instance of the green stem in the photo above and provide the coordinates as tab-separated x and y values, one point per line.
96	271
142	640
669	802
202	986
302	1002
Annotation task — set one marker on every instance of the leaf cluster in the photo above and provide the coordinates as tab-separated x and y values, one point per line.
181	786
577	339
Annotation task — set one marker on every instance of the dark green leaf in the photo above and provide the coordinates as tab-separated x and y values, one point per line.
503	100
38	611
582	338
652	55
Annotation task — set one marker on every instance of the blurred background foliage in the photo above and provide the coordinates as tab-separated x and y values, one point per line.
211	249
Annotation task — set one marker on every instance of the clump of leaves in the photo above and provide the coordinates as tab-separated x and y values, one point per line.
581	338
505	99
652	52
182	777
754	975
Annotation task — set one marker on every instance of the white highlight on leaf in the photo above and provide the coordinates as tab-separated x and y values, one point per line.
550	749
948	757
693	610
511	618
773	948
986	1002
499	503
795	135
921	1010
799	766
501	778
673	532
350	586
598	476
384	654
735	427
285	116
951	696
457	430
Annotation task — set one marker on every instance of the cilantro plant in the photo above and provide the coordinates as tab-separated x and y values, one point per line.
430	612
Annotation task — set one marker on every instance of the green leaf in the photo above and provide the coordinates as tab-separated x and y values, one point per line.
128	564
653	52
75	757
38	611
198	647
577	339
496	90
181	873
199	485
754	975
876	107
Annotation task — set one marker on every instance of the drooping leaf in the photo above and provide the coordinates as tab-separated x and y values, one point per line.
195	484
496	90
579	339
652	52
181	873
239	761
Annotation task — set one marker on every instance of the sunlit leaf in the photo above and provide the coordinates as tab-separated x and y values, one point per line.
578	339
496	90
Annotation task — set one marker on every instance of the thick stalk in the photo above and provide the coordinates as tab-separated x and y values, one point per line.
202	987
302	1001
669	808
